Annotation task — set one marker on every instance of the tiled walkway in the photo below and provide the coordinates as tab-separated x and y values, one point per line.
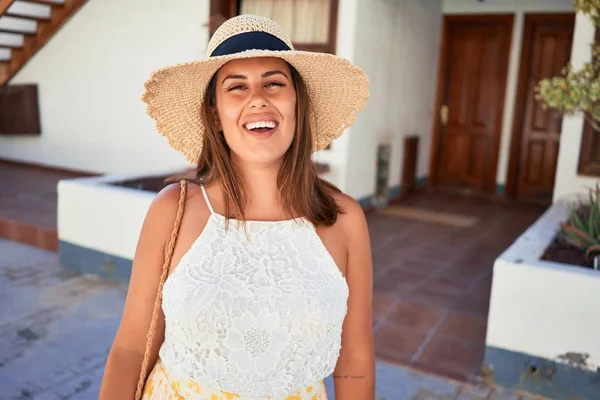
432	281
28	202
56	328
28	195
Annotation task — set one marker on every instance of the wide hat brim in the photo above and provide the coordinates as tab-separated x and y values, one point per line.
338	91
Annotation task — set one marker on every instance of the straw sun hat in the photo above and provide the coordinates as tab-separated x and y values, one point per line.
173	95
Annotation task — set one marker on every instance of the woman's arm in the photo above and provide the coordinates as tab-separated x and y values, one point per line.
124	361
354	375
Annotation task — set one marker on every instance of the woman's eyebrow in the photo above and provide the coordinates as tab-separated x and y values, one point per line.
275	72
234	77
265	75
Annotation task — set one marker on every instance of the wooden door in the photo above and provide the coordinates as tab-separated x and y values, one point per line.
546	50
471	101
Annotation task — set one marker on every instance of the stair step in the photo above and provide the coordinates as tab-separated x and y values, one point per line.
27	17
11	40
4	54
13	32
20	9
17	25
44	2
10	45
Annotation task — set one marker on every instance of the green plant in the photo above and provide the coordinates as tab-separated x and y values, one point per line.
576	91
582	229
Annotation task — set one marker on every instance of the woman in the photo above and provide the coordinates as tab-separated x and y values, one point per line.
269	281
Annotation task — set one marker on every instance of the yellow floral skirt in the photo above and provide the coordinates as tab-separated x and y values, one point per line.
161	385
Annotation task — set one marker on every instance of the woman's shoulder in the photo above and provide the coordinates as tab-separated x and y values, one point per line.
170	195
167	201
352	214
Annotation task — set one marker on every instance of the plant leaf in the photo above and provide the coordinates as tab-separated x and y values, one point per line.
592	249
593	217
577	221
579	236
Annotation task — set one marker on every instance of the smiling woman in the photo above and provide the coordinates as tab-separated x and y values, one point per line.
265	98
268	308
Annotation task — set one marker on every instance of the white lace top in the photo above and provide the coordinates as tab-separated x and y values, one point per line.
258	315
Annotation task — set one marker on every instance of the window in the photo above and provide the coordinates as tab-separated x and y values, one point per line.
589	155
311	24
19	110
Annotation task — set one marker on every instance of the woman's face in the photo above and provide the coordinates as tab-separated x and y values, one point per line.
256	108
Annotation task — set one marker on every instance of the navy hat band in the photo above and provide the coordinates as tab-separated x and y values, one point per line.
254	40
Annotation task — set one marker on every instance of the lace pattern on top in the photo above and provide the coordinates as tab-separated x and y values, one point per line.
258	315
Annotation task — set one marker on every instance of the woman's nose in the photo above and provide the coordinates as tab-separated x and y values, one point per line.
258	99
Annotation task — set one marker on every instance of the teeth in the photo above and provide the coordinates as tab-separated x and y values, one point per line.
260	124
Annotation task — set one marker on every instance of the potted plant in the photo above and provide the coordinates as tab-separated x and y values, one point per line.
542	337
577	92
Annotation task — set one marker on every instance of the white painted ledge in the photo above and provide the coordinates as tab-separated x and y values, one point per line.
103	217
544	308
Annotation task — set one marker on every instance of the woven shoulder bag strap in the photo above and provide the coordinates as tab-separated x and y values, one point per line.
163	278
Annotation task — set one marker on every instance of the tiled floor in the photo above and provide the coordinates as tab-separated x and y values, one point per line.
29	195
56	328
432	281
28	201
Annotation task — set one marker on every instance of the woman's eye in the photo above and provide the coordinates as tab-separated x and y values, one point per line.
236	87
271	84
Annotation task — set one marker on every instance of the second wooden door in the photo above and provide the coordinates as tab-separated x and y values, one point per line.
546	50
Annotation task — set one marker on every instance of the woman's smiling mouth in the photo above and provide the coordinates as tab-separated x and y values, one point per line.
261	129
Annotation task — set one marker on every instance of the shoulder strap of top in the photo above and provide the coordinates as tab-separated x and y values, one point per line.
210	207
163	278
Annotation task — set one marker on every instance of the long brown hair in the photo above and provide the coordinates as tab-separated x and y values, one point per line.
303	192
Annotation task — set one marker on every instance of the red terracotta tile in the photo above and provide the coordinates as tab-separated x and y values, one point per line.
383	355
26	234
382	304
398	342
432	297
475	305
464	327
452	355
446	284
49	240
468	271
440	254
8	228
483	288
382	285
403	275
419	317
424	265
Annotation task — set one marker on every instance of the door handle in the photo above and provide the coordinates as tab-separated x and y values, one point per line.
444	110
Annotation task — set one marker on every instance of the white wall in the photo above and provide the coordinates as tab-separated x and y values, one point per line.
90	77
397	46
337	155
567	181
518	8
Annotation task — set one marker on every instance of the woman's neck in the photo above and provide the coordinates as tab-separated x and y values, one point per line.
260	185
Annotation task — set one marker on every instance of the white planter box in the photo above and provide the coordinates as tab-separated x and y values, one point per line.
99	223
544	321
